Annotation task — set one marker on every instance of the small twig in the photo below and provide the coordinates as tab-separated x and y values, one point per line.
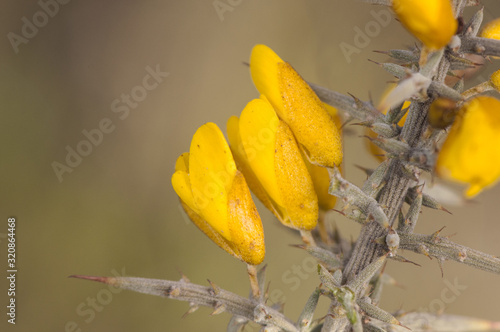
444	249
213	297
481	46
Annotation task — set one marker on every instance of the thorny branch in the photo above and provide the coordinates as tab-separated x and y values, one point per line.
346	287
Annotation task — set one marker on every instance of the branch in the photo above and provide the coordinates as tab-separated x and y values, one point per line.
422	321
219	299
355	108
444	249
481	46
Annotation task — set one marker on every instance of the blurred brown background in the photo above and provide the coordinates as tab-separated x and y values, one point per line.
116	210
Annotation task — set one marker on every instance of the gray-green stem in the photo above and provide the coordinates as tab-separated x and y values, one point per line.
392	197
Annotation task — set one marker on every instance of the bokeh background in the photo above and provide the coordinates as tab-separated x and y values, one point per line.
116	210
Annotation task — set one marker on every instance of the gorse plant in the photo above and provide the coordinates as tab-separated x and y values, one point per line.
286	147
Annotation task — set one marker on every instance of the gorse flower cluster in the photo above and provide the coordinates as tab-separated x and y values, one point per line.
286	147
277	146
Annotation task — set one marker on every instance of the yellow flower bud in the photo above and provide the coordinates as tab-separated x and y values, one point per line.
216	197
431	21
266	148
471	152
297	105
491	30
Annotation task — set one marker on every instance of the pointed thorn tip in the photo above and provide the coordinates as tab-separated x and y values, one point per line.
98	279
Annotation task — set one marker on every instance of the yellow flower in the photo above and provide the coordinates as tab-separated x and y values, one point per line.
471	152
216	197
297	105
431	21
491	30
267	152
495	80
320	175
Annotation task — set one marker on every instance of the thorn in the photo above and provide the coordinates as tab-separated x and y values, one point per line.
368	171
364	124
341	212
435	235
245	63
381	52
359	102
280	306
192	308
266	292
368	137
219	308
400	258
104	280
183	277
344	124
215	288
442	208
440	263
375	62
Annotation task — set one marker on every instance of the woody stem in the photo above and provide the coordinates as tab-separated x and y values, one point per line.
254	283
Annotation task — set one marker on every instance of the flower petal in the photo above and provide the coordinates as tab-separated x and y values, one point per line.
264	72
241	158
258	125
431	21
300	203
297	104
311	124
182	184
244	223
210	231
211	171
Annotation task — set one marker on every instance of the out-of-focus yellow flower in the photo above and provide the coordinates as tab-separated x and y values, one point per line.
267	151
495	80
471	152
491	30
431	21
297	105
216	197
